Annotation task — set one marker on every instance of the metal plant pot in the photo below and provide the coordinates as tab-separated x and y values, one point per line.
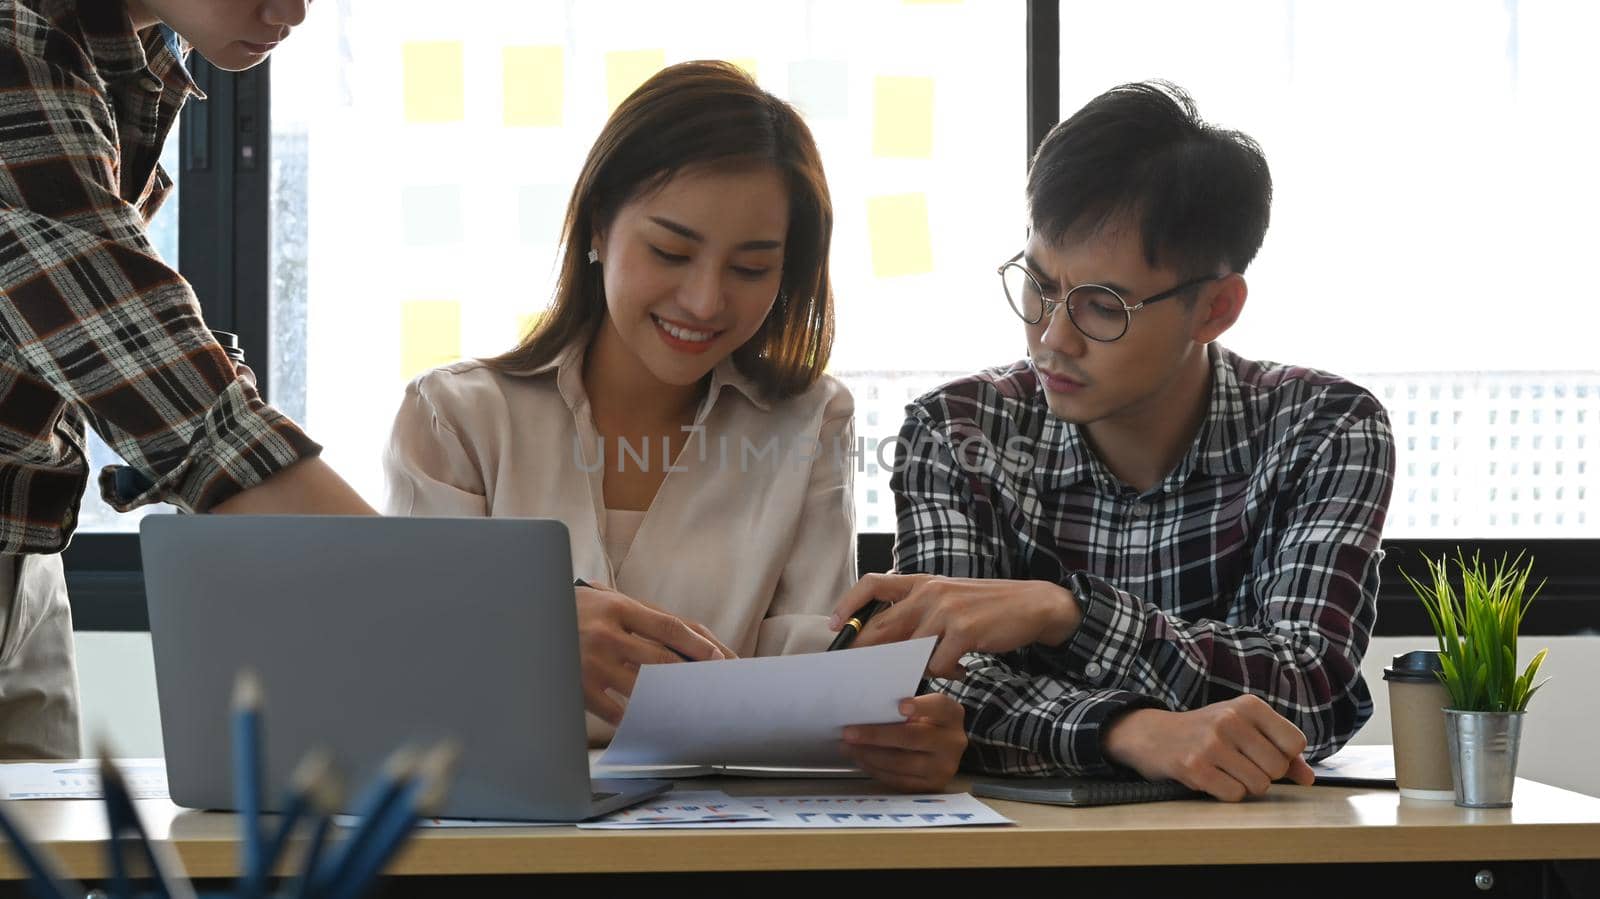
1483	756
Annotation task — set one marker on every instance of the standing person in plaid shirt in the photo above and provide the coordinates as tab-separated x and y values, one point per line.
1141	551
96	329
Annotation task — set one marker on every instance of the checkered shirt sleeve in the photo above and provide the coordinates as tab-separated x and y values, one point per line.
1283	611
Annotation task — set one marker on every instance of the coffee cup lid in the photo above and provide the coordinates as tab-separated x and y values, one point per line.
230	344
1417	665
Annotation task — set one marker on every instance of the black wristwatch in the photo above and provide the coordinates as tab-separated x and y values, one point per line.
1081	587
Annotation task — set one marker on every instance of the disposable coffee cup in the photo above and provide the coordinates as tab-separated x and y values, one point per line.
1416	715
230	344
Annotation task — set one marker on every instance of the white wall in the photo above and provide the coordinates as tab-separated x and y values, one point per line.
1562	730
1560	735
117	683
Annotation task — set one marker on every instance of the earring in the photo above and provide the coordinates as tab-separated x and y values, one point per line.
594	255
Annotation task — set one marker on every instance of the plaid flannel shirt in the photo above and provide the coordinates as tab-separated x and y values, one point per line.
94	327
1251	568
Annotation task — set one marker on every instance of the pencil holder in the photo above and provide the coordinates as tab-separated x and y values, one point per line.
412	784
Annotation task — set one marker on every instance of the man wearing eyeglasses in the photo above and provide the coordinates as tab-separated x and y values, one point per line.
1140	551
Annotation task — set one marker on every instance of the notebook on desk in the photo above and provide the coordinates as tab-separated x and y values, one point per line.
1082	791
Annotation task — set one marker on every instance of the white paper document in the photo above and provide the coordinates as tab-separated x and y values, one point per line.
778	711
1371	765
712	810
80	779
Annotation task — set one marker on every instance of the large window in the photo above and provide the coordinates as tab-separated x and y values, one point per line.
1428	211
422	167
1433	197
1430	220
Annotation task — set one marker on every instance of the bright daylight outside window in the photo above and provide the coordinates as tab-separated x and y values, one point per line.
1432	188
422	166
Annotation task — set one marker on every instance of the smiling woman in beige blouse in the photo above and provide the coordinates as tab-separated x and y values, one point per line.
671	407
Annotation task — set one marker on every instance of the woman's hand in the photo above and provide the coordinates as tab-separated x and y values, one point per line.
617	634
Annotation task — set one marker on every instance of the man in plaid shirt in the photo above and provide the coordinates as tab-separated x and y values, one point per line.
1140	551
96	329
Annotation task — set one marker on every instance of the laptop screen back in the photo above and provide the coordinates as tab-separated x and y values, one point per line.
370	633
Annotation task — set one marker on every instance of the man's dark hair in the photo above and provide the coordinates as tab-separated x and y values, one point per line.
1201	195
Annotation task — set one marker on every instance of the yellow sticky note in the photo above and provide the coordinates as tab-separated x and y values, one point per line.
534	87
627	69
434	81
901	242
748	63
430	335
902	123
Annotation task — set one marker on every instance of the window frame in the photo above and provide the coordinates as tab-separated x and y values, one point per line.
224	222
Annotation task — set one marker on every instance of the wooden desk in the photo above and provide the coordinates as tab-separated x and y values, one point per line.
1296	842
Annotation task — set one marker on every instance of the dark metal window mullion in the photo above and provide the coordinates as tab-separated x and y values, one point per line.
1043	53
223	204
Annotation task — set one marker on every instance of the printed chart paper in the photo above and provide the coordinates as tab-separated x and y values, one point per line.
806	812
80	779
678	808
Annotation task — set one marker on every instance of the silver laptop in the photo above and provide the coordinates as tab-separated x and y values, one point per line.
369	633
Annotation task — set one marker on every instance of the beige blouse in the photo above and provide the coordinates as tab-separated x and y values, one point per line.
752	532
622	525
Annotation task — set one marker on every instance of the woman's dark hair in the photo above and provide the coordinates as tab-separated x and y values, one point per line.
1201	195
699	115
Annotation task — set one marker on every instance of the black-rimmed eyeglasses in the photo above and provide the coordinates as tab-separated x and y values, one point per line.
1098	312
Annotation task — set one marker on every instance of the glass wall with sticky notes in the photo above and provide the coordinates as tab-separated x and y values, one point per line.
422	165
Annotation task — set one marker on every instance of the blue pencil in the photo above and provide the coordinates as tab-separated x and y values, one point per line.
247	777
124	818
307	775
117	824
354	878
423	796
42	877
384	791
325	802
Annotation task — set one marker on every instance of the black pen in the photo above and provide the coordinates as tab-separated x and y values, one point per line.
857	624
580	582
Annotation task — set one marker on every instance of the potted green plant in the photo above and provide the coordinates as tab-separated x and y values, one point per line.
1477	632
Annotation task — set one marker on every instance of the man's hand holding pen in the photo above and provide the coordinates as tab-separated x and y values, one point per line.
966	614
851	629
